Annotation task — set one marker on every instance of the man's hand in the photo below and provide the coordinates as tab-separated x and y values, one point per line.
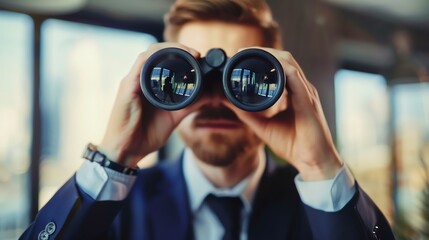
135	127
295	128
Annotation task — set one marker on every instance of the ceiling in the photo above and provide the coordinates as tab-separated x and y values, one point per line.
147	9
414	12
146	15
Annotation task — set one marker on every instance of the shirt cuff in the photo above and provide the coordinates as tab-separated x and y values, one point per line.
327	195
103	184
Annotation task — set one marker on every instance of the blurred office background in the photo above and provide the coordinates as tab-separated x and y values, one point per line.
61	63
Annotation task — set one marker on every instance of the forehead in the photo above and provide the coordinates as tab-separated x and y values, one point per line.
204	35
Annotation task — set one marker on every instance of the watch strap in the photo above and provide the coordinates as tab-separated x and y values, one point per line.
92	154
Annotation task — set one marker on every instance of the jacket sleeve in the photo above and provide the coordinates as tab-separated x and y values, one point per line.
359	219
72	214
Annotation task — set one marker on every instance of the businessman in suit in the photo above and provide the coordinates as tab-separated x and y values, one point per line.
224	185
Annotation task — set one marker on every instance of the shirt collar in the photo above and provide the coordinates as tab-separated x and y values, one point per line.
199	186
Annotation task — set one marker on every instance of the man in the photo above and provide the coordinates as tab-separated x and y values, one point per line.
224	155
168	89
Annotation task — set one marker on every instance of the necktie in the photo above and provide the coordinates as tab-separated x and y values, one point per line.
228	211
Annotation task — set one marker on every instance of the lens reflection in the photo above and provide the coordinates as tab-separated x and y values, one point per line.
254	81
172	80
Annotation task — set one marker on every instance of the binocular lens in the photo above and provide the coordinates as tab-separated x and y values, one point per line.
252	79
170	81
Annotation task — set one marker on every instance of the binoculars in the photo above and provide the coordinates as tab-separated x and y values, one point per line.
252	79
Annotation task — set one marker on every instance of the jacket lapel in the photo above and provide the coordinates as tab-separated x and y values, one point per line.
277	211
277	208
169	209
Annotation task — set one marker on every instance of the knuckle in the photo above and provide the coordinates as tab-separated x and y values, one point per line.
292	71
287	55
142	56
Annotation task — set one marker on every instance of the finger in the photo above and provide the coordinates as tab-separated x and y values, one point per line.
319	110
303	95
291	60
314	96
300	93
257	122
283	103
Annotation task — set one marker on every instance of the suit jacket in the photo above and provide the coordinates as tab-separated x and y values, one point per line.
157	208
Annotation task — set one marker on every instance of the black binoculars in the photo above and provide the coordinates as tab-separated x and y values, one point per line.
252	79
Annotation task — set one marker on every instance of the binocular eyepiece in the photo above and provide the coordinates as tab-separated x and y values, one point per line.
252	79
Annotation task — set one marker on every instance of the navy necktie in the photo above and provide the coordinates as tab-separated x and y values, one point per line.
228	211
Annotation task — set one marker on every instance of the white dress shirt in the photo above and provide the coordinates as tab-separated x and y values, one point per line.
206	224
328	195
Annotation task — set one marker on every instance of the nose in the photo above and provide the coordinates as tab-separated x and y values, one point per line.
212	88
212	83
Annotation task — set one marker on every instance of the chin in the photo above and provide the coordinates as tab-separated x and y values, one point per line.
219	148
214	157
216	149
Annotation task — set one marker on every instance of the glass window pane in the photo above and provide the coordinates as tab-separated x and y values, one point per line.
362	132
16	36
411	135
82	66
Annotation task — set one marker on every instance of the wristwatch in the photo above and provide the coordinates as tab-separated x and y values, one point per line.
92	154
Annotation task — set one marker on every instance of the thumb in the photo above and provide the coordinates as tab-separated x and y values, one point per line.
254	121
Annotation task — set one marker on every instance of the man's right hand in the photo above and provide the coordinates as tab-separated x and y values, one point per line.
135	127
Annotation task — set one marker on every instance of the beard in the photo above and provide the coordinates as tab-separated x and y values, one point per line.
221	148
221	152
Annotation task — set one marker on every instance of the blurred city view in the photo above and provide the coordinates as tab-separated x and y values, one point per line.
81	67
15	121
378	124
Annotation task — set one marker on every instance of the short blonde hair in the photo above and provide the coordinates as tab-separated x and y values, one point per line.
250	12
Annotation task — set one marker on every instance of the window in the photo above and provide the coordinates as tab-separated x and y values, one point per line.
82	66
362	117
16	37
381	128
411	136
